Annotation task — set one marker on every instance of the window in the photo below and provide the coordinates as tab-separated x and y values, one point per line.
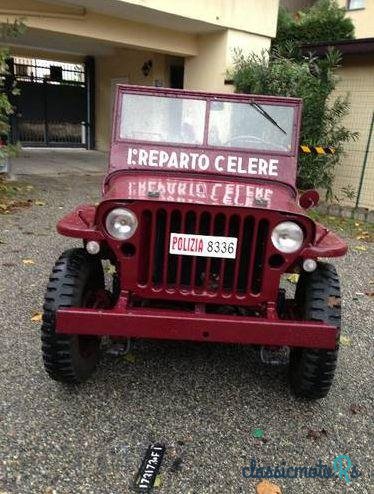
356	4
162	119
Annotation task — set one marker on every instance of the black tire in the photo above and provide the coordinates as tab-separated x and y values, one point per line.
75	279
318	298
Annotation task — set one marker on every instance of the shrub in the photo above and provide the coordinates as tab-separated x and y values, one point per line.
7	30
324	21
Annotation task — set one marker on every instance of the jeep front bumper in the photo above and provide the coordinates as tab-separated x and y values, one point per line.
180	325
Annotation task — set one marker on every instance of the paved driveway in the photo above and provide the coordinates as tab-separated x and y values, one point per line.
203	400
58	161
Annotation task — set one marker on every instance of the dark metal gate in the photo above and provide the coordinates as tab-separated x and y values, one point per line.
54	107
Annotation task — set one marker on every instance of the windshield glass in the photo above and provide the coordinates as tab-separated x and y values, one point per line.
254	126
163	119
180	120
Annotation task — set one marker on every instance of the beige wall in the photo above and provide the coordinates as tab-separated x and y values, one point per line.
208	71
91	25
363	19
254	16
357	76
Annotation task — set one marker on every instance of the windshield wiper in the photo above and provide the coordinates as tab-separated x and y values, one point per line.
268	117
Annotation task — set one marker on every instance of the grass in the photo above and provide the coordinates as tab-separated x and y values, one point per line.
360	230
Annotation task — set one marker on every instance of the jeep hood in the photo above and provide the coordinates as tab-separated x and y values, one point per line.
227	192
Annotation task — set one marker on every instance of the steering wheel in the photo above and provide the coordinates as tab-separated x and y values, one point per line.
244	137
251	138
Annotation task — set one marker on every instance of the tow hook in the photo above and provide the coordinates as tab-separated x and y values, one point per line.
119	347
275	355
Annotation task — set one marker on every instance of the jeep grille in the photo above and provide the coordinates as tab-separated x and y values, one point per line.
216	277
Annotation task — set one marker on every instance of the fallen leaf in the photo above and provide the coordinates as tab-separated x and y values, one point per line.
37	317
370	294
266	487
110	269
360	248
293	278
39	203
258	433
158	481
172	453
50	490
333	302
363	235
345	340
315	434
355	409
28	262
186	439
130	358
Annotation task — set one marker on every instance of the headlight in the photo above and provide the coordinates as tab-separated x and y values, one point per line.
287	237
121	223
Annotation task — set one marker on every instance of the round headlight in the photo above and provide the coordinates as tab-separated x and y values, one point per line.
121	223
287	237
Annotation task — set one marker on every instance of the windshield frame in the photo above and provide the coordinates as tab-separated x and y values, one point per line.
295	103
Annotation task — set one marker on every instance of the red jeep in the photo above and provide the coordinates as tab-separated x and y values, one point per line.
200	218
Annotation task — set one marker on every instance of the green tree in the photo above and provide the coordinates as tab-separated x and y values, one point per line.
324	21
7	30
286	71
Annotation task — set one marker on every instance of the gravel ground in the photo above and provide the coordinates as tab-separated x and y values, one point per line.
202	400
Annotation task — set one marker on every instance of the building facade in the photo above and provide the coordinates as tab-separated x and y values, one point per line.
357	79
186	43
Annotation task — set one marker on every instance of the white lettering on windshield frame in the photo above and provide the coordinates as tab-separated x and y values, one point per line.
193	161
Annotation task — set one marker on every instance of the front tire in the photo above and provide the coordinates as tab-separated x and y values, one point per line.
318	298
76	279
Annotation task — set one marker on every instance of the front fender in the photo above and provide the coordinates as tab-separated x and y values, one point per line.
80	223
327	244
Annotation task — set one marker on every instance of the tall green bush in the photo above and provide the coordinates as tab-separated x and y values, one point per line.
286	71
324	21
7	30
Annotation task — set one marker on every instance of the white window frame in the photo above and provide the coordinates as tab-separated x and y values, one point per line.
349	7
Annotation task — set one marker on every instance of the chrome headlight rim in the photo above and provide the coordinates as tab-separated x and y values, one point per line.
287	237
121	223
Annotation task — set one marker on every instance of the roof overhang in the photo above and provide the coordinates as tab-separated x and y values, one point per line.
363	46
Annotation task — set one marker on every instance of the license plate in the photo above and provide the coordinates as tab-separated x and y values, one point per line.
203	245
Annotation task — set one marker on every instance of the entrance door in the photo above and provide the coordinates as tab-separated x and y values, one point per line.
51	109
